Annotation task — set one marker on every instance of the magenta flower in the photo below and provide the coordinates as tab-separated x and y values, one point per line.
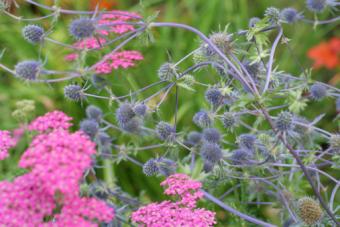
112	20
50	121
180	213
6	142
56	160
111	61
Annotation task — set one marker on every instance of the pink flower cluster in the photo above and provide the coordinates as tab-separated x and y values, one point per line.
6	142
49	194
110	22
180	213
113	21
50	121
124	59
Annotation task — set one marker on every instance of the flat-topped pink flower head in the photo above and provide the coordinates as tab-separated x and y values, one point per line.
112	61
180	213
59	159
51	121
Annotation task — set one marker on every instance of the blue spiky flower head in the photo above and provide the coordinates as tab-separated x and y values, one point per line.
150	167
90	127
318	6
253	21
167	71
82	28
214	96
33	33
94	112
318	91
247	141
284	121
125	113
273	14
165	131
194	138
166	166
74	92
28	70
211	152
211	135
140	109
290	15
202	119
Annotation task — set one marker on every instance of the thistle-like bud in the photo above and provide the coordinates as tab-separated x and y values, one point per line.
318	91
28	70
90	127
290	15
94	112
318	6
166	167
211	135
125	113
229	120
214	96
247	141
284	121
165	131
211	152
150	167
241	156
202	119
309	211
82	28
140	109
167	71
253	21
273	14
208	166
194	138
132	126
222	41
74	92
33	33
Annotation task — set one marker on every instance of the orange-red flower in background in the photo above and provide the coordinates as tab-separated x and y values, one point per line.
103	4
326	54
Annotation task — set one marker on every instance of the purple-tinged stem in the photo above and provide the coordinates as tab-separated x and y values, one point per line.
236	212
271	59
206	40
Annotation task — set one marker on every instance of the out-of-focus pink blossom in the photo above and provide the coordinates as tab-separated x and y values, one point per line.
6	142
111	61
180	213
110	18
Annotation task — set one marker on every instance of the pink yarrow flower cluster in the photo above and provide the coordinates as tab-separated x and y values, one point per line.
180	213
6	142
51	121
56	159
124	59
110	22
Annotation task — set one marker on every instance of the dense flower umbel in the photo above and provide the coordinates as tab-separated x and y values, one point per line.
50	121
6	142
180	213
124	59
56	160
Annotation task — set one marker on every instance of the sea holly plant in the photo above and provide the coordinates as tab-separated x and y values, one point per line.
249	138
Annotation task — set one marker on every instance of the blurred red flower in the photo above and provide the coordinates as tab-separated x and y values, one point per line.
326	54
103	4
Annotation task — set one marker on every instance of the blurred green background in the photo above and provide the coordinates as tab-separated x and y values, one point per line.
207	16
